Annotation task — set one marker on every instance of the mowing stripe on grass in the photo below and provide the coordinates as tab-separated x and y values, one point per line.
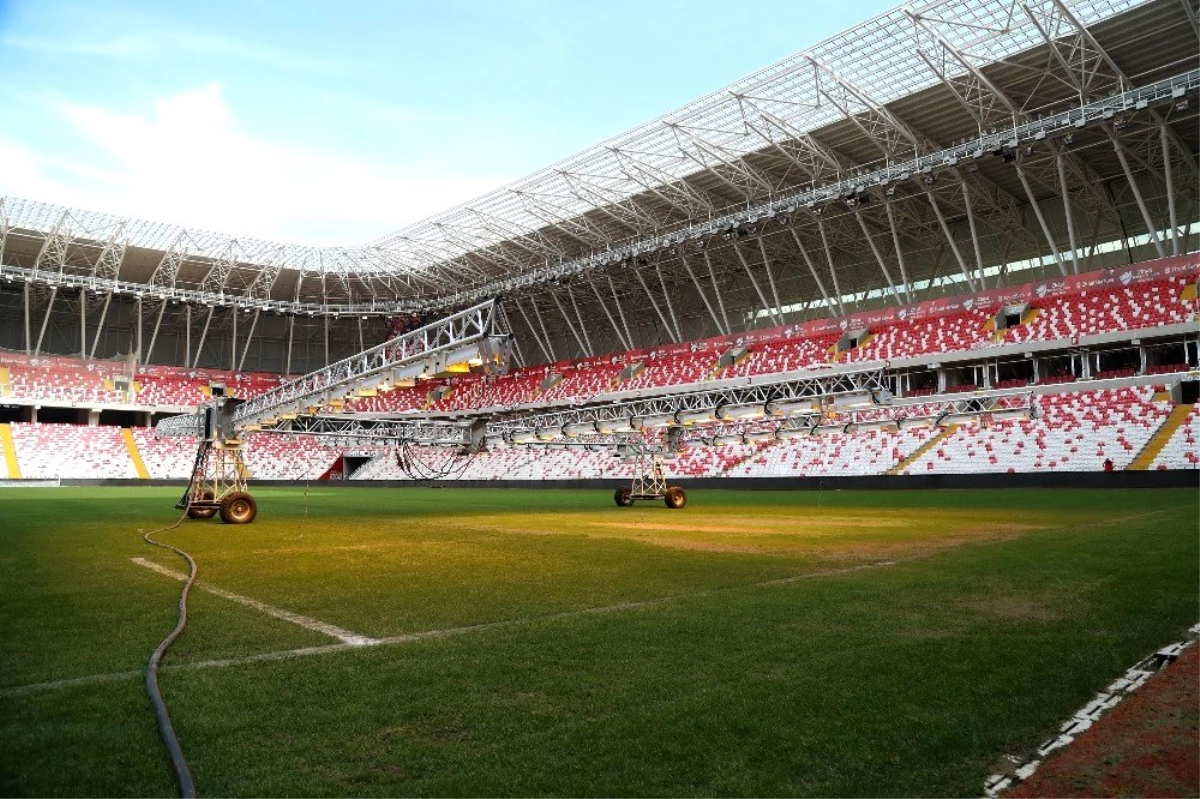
427	635
345	636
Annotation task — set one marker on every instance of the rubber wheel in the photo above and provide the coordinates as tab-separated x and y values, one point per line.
202	513
238	508
675	497
623	497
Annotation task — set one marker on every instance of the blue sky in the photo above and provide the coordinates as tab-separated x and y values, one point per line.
324	122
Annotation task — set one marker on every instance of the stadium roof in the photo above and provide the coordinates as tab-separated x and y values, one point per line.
855	116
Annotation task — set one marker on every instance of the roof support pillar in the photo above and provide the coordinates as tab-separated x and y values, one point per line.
625	344
1165	138
154	335
831	303
654	304
762	249
771	311
895	242
287	365
1137	194
1066	198
28	337
203	335
966	191
570	325
100	324
703	296
620	311
712	276
83	323
582	327
878	257
1037	211
670	305
545	333
962	264
250	338
837	290
37	348
533	330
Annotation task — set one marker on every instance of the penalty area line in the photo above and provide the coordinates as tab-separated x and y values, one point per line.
347	637
426	635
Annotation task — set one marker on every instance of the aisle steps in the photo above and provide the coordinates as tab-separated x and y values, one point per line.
921	450
1161	436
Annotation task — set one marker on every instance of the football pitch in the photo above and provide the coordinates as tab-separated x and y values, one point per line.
417	641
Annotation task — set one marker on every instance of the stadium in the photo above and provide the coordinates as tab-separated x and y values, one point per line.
833	434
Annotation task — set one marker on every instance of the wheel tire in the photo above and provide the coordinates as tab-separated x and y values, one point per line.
623	497
238	508
675	497
202	513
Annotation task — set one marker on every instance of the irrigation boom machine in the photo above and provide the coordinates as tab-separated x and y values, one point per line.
218	484
644	429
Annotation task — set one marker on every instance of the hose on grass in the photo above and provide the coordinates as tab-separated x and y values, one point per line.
166	731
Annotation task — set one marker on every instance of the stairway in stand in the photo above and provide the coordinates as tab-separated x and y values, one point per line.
921	450
1161	436
10	452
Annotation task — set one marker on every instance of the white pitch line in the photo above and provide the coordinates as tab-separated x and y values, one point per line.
428	635
345	636
287	654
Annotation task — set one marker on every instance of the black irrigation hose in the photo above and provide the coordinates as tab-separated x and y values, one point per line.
187	786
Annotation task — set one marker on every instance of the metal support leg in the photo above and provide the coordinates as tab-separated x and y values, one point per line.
1137	195
962	264
627	345
546	333
762	249
878	258
154	336
203	335
757	290
830	303
703	296
1164	136
620	311
287	366
1037	211
37	348
570	326
887	206
712	276
100	325
541	344
250	338
1067	215
28	336
837	289
670	305
649	296
587	340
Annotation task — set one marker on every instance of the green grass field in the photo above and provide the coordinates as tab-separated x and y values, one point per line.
550	643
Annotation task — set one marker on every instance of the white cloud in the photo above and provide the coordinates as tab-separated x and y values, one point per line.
190	162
